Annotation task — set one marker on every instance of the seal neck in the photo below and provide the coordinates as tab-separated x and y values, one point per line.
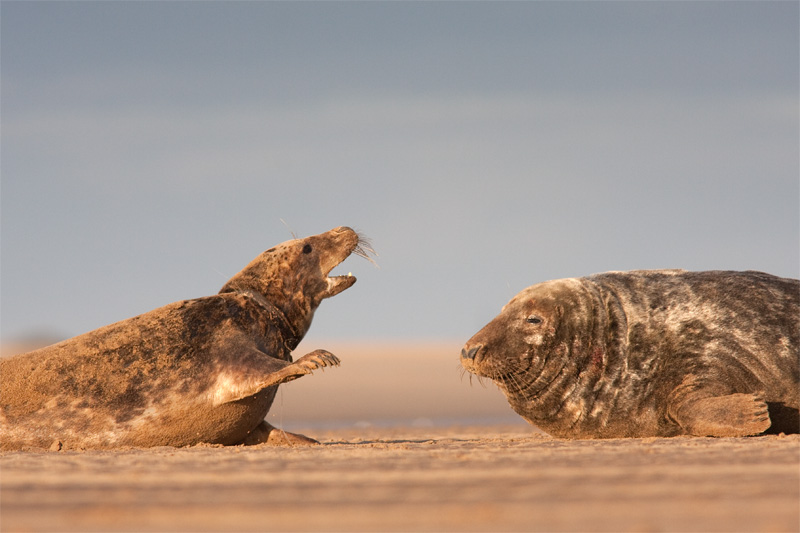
294	337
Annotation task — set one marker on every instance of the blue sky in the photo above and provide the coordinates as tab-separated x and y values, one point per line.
150	150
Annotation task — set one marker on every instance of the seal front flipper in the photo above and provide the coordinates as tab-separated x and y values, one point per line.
305	365
232	386
732	415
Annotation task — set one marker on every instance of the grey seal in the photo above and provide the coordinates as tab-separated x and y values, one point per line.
195	371
648	353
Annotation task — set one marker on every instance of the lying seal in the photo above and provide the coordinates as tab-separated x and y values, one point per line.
203	370
648	353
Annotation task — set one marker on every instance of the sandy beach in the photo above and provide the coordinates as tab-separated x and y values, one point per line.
408	444
490	478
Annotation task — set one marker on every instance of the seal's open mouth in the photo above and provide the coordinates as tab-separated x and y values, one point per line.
337	284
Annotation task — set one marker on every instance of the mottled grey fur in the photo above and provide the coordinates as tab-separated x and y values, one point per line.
648	353
203	370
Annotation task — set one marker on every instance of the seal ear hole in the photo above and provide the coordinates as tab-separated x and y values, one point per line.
307	249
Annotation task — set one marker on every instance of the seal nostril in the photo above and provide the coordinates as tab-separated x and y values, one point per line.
472	352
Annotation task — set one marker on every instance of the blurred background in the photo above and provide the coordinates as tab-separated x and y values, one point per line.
150	150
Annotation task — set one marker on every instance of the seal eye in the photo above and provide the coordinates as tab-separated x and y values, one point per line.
533	320
307	249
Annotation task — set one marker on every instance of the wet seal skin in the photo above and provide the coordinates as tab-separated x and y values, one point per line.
648	353
195	371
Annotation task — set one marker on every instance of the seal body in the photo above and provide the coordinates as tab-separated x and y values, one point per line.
648	353
202	370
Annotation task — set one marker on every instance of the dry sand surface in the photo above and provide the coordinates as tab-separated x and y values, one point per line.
409	445
459	479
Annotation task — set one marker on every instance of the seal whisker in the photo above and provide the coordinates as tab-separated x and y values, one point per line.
482	381
291	231
515	379
476	376
512	378
364	248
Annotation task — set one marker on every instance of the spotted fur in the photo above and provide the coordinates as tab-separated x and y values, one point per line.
202	370
648	353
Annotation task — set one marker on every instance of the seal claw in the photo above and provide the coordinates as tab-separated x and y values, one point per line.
317	359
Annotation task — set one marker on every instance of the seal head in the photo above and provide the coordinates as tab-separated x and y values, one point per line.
293	276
